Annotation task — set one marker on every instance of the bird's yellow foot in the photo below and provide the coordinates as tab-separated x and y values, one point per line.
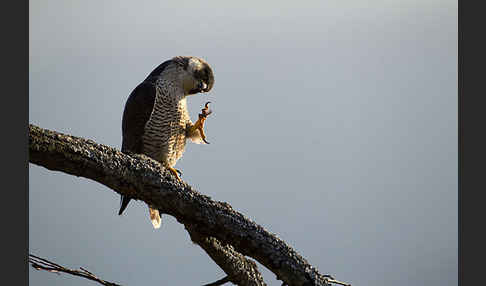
175	172
199	125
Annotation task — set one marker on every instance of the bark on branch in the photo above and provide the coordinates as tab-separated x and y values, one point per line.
225	234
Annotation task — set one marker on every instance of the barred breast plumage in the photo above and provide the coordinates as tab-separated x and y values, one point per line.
164	138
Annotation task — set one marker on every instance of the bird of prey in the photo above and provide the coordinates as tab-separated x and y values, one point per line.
156	121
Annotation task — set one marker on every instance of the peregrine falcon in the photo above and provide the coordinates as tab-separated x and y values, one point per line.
156	121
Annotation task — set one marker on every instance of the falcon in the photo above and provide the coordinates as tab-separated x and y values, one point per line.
156	121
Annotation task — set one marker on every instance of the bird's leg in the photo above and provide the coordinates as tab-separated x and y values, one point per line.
199	125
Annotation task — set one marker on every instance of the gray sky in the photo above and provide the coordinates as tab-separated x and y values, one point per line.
334	126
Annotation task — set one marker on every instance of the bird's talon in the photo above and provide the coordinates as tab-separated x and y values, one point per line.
205	111
203	136
175	173
200	122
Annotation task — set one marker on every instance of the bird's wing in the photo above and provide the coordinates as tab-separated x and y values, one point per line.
136	114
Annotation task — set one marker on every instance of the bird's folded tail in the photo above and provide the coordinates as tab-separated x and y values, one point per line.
123	203
155	217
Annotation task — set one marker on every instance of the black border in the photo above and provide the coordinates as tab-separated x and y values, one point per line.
460	83
471	91
15	118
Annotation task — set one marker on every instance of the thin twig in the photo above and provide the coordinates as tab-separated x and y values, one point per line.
44	264
219	282
338	282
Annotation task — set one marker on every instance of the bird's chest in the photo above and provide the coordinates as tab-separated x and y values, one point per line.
165	132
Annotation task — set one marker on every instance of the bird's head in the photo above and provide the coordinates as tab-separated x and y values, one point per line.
197	75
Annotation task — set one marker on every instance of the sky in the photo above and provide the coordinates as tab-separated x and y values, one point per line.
334	126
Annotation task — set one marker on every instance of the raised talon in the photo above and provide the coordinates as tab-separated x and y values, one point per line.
202	117
206	111
203	136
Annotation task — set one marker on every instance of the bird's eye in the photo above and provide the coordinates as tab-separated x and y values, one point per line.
202	85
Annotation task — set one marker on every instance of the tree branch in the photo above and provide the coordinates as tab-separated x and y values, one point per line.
44	264
210	223
234	264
